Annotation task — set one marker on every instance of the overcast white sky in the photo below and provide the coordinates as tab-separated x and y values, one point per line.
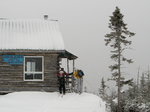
84	23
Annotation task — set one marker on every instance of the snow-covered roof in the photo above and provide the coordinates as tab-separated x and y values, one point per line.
30	34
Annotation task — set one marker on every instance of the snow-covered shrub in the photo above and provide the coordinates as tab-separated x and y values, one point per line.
132	106
145	107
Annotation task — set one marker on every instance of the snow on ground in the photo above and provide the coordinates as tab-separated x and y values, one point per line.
50	102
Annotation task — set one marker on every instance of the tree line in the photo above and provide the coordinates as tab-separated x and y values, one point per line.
134	99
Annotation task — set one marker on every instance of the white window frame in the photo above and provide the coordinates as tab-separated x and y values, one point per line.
34	72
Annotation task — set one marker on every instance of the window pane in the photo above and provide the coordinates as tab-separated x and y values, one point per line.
30	66
28	76
37	76
33	64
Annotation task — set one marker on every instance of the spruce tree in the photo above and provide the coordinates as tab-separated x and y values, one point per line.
102	91
117	39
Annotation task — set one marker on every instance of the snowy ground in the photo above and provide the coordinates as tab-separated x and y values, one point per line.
50	102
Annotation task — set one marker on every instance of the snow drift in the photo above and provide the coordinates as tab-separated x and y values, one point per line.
50	102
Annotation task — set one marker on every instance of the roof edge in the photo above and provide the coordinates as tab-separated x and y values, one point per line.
62	53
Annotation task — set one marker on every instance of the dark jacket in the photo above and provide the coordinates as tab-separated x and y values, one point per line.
61	77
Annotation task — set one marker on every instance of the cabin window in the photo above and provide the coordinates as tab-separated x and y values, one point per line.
33	68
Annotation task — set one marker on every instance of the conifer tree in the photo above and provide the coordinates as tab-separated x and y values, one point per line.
103	89
85	89
145	87
117	39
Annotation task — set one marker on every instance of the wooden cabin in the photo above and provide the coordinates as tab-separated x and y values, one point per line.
30	54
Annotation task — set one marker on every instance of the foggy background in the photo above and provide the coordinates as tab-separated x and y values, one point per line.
83	25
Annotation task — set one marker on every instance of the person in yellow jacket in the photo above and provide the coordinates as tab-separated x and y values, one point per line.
76	74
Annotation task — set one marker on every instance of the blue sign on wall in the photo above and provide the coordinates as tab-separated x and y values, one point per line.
13	59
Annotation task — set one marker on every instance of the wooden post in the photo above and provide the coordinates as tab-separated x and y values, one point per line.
73	65
67	77
73	84
67	65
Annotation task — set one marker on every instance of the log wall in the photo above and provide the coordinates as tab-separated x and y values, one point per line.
11	76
